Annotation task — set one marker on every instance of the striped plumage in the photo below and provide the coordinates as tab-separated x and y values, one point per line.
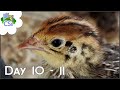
68	41
107	22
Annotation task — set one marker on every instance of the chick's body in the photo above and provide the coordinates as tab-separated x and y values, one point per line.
69	42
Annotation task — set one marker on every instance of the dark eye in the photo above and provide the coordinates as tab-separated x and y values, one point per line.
57	42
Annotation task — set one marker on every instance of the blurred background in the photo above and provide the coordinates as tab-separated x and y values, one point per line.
107	22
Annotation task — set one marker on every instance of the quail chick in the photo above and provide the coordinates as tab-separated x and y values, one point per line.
70	42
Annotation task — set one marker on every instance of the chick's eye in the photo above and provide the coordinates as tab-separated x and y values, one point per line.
57	42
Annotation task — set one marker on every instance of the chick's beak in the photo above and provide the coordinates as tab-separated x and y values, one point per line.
31	43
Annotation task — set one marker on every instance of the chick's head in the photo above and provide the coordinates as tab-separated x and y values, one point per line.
65	41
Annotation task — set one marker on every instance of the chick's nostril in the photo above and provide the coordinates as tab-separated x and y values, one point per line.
29	42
